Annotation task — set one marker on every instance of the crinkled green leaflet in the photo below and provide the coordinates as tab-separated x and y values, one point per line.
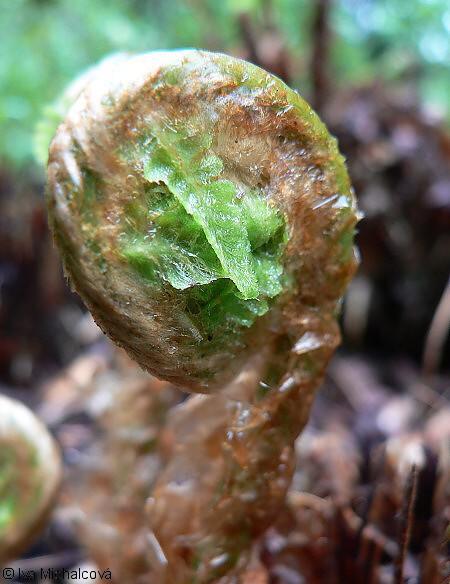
211	201
194	230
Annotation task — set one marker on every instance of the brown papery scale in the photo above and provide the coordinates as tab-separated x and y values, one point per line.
205	216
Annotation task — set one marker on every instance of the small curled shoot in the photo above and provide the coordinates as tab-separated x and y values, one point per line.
30	470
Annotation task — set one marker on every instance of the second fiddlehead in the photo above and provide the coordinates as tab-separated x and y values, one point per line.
30	470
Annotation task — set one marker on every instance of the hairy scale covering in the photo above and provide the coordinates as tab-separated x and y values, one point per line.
206	217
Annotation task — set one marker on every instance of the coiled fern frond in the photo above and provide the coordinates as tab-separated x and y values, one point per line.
206	217
30	471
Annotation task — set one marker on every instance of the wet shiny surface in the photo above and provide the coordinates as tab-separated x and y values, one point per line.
213	132
231	457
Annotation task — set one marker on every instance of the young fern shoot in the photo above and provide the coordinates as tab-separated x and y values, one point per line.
30	470
206	217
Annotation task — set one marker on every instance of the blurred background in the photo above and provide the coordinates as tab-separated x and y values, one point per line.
378	72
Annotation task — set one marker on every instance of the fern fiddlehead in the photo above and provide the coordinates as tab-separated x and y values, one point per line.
205	215
29	476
